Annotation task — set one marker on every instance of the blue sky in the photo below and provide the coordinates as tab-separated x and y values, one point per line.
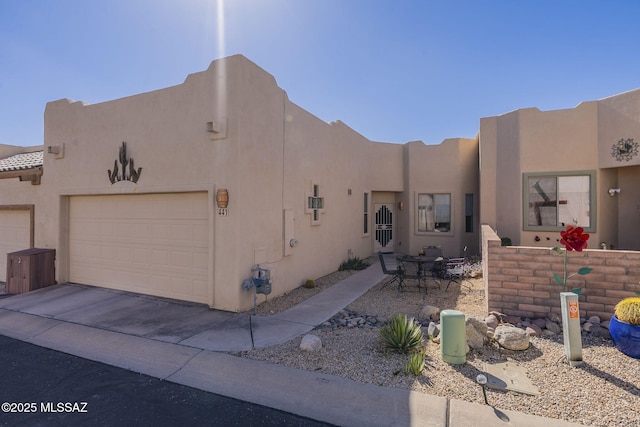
393	70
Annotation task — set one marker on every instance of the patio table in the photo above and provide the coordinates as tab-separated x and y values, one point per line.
417	268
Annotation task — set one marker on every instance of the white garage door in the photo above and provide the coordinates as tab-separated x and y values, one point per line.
156	244
15	226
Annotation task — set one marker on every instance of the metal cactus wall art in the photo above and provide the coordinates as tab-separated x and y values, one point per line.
116	176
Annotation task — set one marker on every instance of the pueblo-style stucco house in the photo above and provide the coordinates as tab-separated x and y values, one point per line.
130	192
540	170
180	192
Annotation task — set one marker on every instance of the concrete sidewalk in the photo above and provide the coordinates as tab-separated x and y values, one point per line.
185	343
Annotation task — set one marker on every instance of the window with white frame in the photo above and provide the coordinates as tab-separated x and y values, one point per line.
434	212
555	200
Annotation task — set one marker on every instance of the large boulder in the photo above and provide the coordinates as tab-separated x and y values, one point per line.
492	321
476	332
430	312
511	338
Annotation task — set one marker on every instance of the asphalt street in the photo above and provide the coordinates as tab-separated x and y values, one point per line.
43	387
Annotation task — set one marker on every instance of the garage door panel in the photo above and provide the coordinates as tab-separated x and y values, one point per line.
152	244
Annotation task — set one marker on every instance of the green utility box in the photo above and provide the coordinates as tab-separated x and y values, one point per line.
453	337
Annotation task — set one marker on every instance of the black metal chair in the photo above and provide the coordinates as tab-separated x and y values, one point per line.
397	274
453	270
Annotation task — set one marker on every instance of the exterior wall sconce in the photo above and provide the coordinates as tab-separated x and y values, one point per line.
222	198
614	191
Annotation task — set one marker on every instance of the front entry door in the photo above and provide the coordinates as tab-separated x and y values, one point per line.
384	228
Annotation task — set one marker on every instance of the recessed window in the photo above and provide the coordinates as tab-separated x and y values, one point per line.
434	212
468	213
365	213
555	200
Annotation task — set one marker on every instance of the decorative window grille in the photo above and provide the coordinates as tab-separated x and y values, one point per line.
315	204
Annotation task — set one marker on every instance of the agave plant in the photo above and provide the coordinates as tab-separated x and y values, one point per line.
402	334
416	363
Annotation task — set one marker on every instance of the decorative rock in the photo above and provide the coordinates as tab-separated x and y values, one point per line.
553	326
311	342
539	322
433	330
594	320
605	324
533	330
514	320
548	333
600	332
512	338
587	327
490	333
429	312
350	319
498	315
554	317
491	321
476	332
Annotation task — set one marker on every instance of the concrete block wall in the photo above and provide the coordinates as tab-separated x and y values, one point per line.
519	280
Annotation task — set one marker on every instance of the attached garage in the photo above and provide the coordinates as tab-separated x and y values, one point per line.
15	233
155	244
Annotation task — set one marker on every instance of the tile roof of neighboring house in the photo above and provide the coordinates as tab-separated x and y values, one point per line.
22	161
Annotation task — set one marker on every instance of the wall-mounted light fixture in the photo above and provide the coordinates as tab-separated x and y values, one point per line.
614	191
222	198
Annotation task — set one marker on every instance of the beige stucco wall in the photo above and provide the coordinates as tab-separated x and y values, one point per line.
15	192
268	153
450	167
577	139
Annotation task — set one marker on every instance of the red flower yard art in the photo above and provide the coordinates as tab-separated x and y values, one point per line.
573	239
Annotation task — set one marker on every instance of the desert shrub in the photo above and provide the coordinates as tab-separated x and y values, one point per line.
416	363
353	264
309	284
402	334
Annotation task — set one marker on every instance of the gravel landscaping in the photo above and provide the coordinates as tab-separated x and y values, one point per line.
604	391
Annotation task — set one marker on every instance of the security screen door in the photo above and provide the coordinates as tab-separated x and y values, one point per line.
384	228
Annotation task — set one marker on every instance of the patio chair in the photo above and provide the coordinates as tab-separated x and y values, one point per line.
454	271
397	273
